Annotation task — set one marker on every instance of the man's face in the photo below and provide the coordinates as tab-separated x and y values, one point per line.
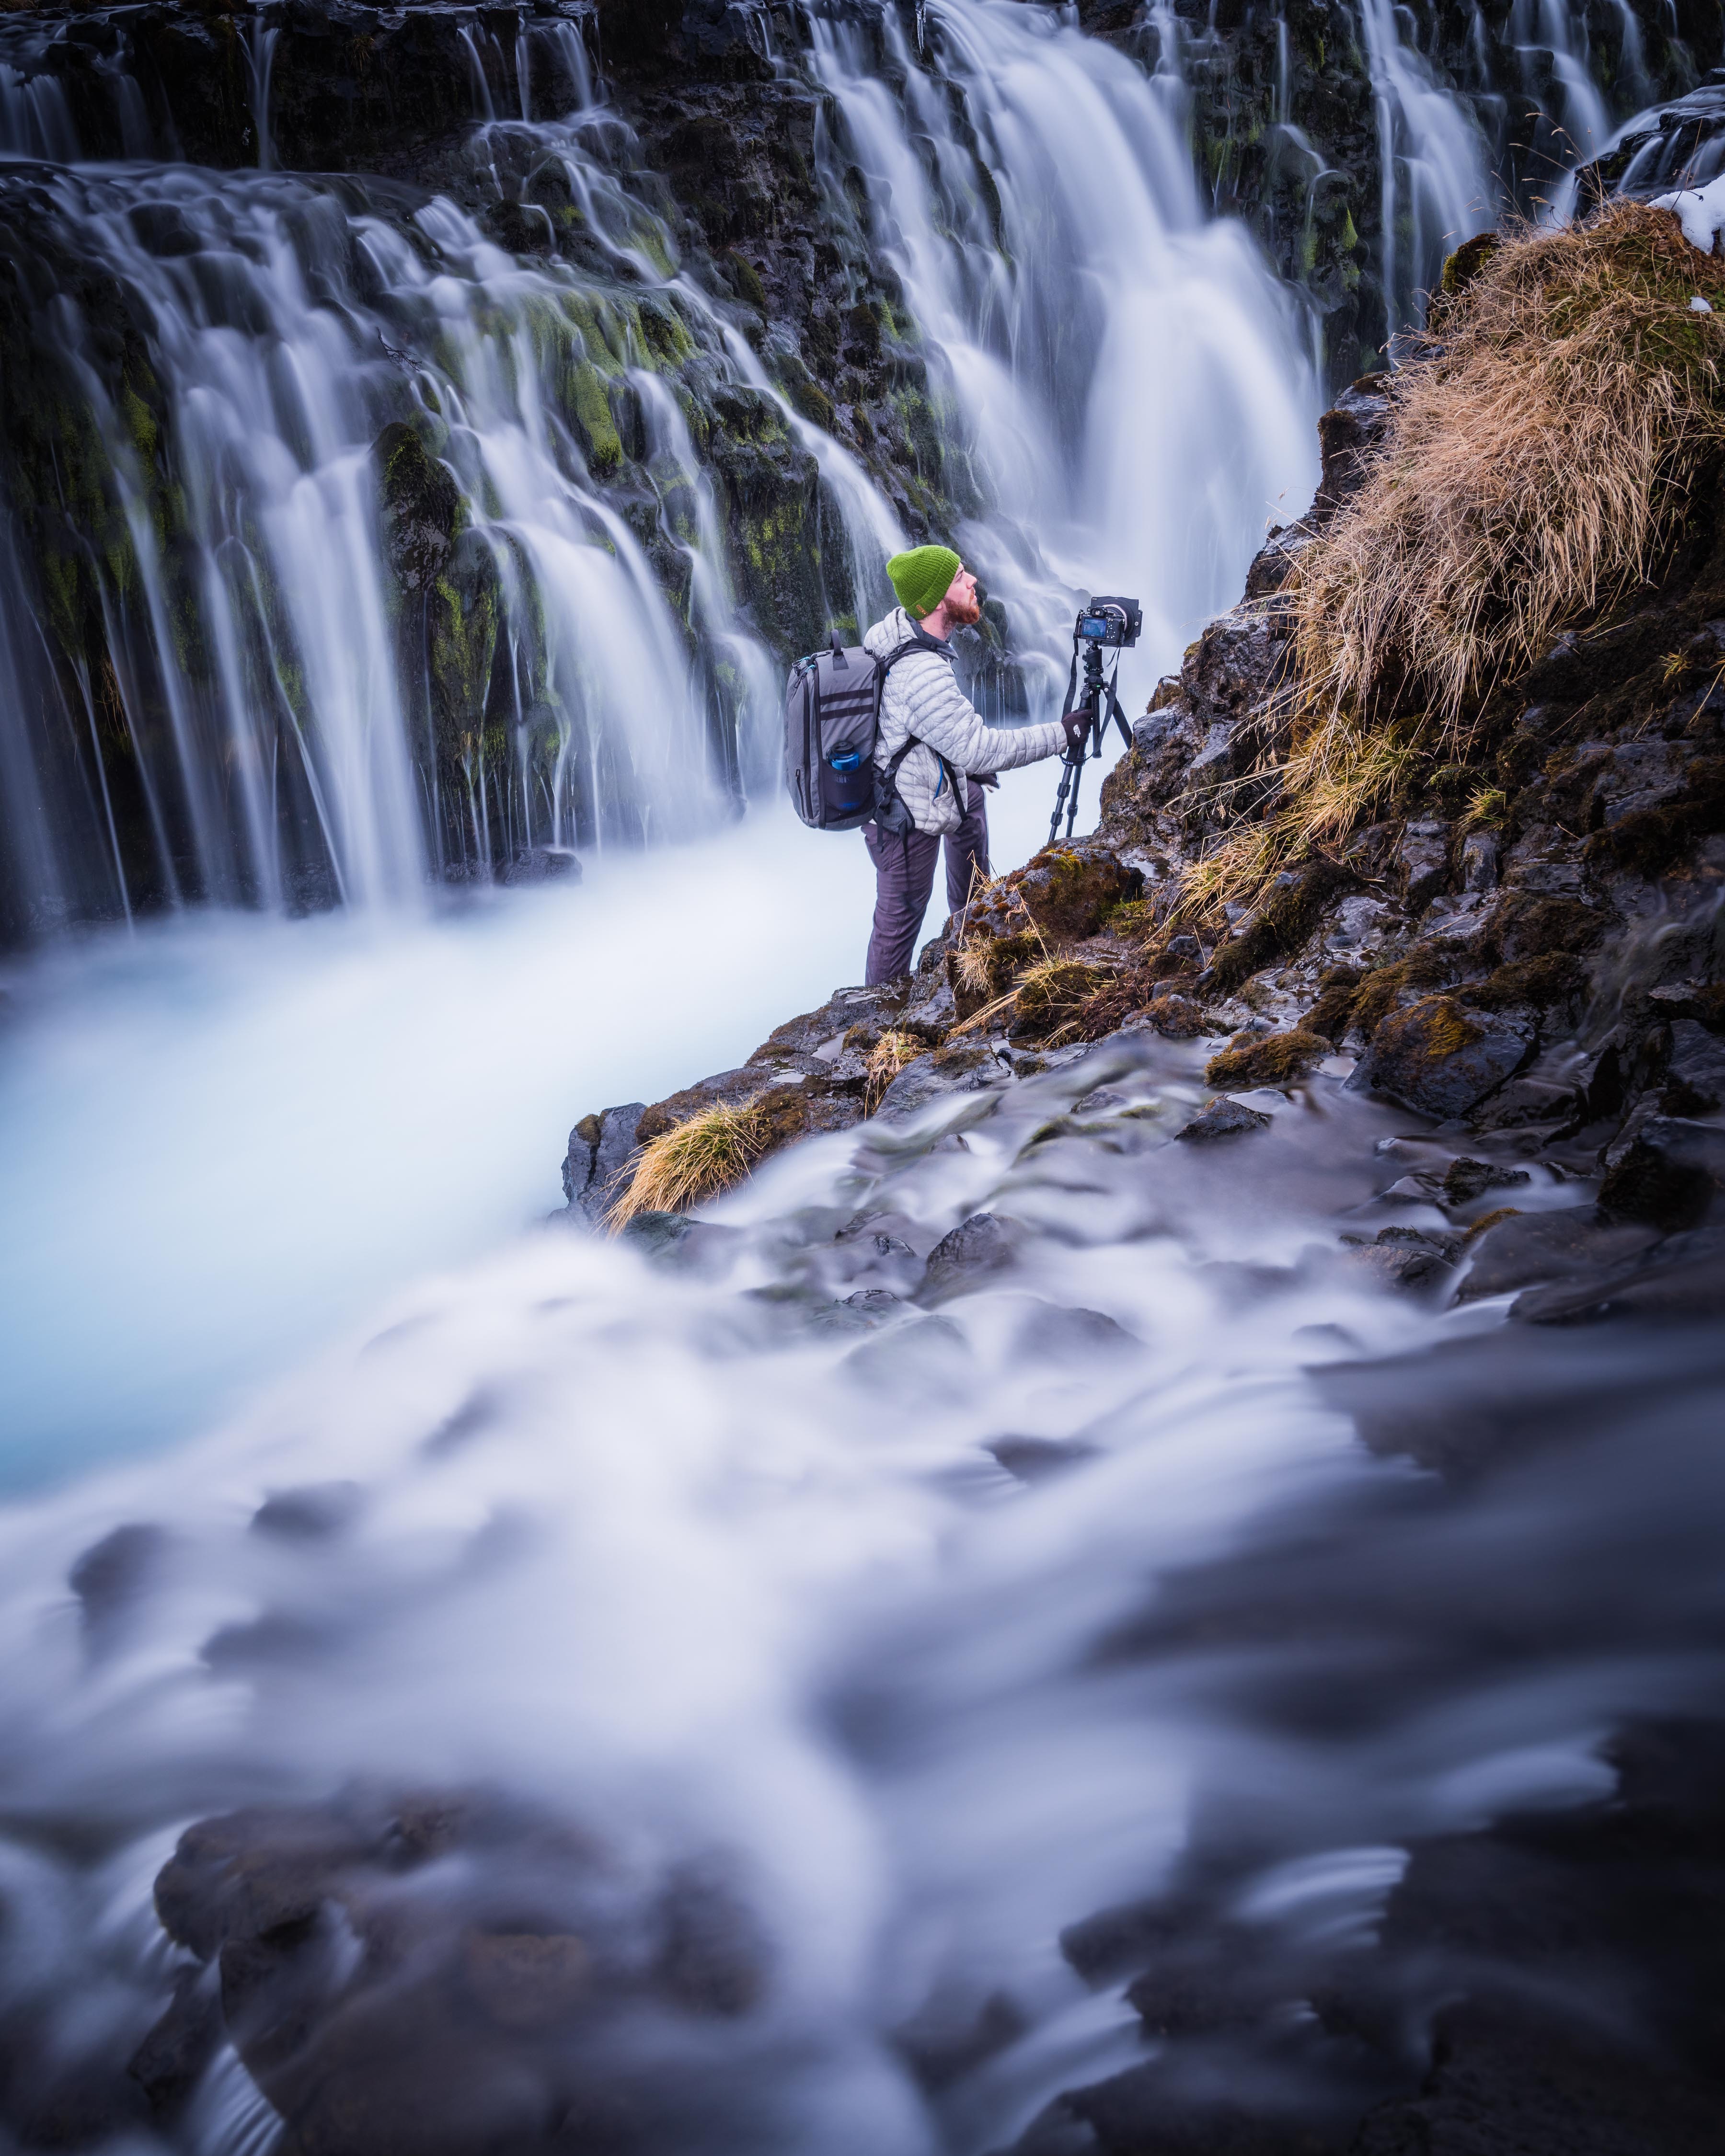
961	600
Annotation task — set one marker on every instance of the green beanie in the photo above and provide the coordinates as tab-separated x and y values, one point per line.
922	577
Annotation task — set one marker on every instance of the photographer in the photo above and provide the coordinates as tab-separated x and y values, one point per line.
936	748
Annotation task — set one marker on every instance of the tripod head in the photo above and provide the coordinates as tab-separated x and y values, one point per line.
1105	624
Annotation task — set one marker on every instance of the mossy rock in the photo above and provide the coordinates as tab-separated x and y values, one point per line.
1535	983
1442	1060
1332	1013
1130	917
1282	923
1541	927
1177	1017
1650	841
421	506
1271	1059
1379	991
1466	263
1065	890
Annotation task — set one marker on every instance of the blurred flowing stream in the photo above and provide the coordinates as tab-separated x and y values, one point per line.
930	1629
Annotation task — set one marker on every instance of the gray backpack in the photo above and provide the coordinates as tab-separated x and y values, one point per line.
832	721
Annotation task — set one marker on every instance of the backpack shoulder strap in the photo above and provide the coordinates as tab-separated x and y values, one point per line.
903	651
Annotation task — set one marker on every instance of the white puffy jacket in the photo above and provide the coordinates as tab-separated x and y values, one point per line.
921	701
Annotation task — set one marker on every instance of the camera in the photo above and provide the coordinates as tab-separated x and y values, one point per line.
1110	624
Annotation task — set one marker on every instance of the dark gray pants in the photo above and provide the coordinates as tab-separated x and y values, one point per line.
904	877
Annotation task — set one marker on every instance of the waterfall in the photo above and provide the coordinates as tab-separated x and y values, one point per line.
306	709
364	536
1435	186
1127	378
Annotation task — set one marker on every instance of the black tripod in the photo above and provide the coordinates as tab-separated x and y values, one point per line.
1098	705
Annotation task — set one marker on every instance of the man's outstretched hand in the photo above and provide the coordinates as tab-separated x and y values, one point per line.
1077	725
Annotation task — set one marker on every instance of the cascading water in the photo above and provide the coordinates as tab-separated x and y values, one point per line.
306	712
1127	377
1436	190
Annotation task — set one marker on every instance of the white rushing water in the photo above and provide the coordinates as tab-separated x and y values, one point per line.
1131	382
714	1571
295	1117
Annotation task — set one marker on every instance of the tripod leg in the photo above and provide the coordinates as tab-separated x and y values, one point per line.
1072	805
1053	821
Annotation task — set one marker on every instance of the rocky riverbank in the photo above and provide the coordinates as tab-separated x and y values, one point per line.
1530	962
1527	962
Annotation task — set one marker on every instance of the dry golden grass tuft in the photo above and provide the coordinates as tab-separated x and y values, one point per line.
975	965
1339	776
888	1056
695	1159
1540	459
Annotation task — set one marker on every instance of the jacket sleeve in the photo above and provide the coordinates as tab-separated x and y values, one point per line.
937	711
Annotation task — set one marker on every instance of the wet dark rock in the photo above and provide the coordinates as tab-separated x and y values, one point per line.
537	865
115	1574
1222	1118
1423	861
1441	1058
602	1150
1694	1077
447	1972
312	1512
1528	1248
420	505
1663	146
1542	1107
967	1067
673	1238
1411	1262
1348	434
1465	1180
1681	1277
914	1365
1479	861
975	1250
1529	2084
170	2061
1037	1459
1670	1174
865	1312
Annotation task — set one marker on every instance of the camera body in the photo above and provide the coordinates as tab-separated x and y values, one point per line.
1109	624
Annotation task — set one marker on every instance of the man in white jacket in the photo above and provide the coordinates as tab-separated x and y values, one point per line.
930	726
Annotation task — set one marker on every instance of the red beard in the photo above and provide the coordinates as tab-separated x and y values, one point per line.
963	613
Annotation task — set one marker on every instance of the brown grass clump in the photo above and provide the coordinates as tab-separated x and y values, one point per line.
1052	994
888	1056
1540	460
694	1159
